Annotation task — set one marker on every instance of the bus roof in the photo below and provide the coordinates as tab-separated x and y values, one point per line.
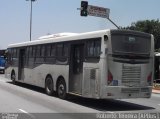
61	37
53	38
56	35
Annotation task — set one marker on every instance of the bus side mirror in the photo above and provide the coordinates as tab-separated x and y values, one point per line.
105	37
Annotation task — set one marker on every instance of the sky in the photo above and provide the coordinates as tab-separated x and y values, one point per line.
57	16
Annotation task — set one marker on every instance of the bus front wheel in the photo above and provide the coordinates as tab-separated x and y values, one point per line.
61	89
49	86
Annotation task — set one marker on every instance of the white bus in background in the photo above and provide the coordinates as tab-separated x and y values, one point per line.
106	64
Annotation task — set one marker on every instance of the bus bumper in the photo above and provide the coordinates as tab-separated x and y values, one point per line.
114	92
1	68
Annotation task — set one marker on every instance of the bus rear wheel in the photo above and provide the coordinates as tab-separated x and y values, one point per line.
49	86
61	89
13	77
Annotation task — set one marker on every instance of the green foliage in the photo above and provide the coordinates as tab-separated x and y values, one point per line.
148	26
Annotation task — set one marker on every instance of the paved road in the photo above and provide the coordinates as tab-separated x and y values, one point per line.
33	102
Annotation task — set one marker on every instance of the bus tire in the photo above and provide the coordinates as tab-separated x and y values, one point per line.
49	86
3	71
61	89
13	77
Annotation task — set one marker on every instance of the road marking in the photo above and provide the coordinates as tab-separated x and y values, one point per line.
23	111
32	116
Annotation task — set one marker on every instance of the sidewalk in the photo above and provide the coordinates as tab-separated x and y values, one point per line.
156	91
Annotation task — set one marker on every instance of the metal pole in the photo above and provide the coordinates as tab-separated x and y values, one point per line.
31	22
31	18
113	23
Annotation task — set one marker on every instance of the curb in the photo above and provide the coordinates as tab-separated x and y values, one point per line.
156	91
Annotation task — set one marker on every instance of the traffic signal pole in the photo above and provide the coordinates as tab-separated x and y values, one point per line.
113	23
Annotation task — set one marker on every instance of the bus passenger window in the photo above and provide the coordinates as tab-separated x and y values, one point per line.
42	50
53	50
97	48
65	50
93	50
59	50
48	50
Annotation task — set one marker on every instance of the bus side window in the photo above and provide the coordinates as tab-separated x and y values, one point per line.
62	52
53	50
90	49
9	56
14	56
27	56
43	53
97	48
65	50
59	51
30	52
38	51
93	50
48	50
34	52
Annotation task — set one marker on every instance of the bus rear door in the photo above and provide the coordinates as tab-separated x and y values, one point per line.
76	68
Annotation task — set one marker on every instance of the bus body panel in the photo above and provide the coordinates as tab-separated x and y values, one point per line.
37	77
91	80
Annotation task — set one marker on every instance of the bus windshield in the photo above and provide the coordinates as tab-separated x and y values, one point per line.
130	44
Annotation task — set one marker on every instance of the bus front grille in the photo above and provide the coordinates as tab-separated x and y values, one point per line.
131	75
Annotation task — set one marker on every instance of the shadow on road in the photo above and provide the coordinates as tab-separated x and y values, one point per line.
109	104
98	104
27	86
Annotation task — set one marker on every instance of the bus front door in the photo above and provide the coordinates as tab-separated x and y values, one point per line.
76	68
21	64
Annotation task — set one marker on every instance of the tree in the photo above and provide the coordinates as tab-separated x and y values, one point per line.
148	26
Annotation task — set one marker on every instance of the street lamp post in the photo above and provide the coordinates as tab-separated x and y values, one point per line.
31	19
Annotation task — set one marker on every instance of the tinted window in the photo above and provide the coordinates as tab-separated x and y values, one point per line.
9	55
42	51
93	48
130	44
48	50
14	53
65	50
62	52
90	48
53	50
59	50
34	51
27	52
30	52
